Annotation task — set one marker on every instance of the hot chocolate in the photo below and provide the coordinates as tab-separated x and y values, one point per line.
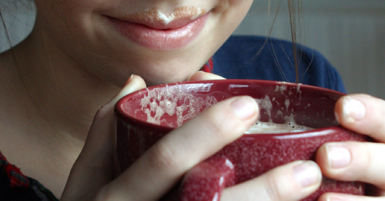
267	127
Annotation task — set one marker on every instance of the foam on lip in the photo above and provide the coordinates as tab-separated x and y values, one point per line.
195	13
166	20
156	16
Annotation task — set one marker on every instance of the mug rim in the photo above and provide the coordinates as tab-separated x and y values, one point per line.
162	128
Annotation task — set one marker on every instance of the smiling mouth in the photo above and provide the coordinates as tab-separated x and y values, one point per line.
155	30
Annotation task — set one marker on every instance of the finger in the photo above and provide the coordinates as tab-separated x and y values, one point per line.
353	161
200	75
346	197
165	163
93	168
134	83
293	181
363	114
102	126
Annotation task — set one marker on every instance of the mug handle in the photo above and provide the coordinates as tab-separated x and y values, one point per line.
206	181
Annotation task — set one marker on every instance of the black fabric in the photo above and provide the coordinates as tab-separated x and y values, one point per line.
8	193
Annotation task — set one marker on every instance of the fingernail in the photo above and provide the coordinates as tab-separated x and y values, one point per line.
353	110
129	80
210	76
337	117
244	107
307	174
338	156
334	199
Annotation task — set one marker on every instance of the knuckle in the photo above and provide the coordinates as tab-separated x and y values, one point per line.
222	123
367	168
363	163
364	148
105	194
379	129
273	188
213	127
376	110
102	113
99	114
163	158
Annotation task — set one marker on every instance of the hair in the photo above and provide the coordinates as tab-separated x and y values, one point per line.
294	10
5	26
9	10
295	7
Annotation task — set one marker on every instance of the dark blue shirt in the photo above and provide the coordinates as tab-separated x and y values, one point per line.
251	57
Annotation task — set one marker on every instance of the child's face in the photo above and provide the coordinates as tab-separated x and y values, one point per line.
104	35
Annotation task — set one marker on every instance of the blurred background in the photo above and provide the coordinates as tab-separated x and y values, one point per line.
349	33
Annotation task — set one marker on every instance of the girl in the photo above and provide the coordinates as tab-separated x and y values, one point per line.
80	55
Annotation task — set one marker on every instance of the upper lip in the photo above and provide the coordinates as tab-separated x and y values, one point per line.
156	19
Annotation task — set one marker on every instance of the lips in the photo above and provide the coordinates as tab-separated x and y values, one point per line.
155	30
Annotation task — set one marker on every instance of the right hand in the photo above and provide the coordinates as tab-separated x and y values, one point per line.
155	172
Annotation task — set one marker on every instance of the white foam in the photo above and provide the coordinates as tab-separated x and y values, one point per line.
173	101
268	127
287	104
161	101
280	88
299	88
199	12
166	19
266	104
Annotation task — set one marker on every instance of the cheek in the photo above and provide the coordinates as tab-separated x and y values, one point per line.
73	12
230	14
70	20
236	6
76	5
233	11
63	15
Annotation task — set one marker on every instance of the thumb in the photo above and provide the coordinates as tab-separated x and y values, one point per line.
94	166
200	75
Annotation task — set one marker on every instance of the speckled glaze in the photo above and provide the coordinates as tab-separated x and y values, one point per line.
252	154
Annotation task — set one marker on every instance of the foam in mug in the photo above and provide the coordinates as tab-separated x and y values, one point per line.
163	101
267	127
305	115
158	102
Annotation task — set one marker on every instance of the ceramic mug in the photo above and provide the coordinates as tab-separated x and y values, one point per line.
145	116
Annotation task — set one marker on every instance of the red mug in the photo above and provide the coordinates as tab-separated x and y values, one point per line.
145	116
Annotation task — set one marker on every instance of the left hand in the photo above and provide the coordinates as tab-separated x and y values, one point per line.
94	169
357	161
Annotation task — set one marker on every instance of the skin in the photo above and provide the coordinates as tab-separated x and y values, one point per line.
72	64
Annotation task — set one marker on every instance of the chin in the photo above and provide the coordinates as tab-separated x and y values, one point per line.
167	72
160	80
165	78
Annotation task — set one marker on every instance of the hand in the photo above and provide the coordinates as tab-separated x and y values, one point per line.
293	181
357	161
162	165
169	159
